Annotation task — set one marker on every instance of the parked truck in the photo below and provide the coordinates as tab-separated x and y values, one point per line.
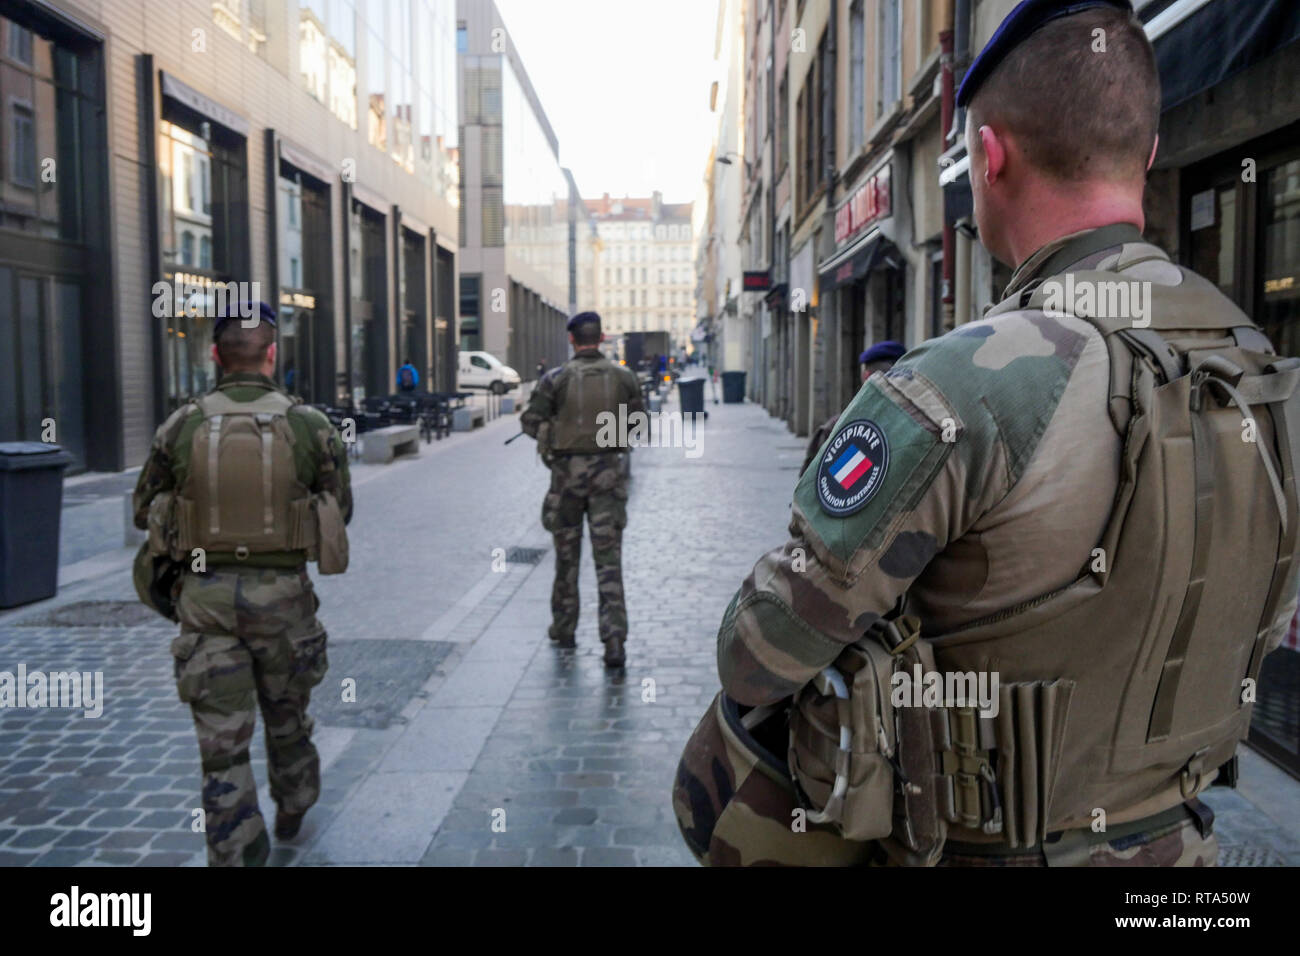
642	347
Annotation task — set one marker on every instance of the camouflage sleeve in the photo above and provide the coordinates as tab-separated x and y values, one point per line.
338	480
917	458
158	473
541	405
327	465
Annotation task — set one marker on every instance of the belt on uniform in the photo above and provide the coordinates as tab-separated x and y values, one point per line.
1068	847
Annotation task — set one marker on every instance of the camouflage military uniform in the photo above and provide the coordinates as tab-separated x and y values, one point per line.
249	638
594	485
1009	513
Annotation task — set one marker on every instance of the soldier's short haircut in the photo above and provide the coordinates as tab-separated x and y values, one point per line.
243	349
587	332
1079	111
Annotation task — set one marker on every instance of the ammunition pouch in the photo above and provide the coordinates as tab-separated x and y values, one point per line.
329	549
863	764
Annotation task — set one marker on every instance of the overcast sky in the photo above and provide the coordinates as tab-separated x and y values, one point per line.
625	84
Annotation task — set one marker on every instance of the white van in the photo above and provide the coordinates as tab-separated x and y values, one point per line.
485	370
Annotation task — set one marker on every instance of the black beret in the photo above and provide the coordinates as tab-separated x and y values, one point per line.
582	318
239	311
1027	17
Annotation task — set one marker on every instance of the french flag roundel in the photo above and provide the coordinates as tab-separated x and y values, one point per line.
852	468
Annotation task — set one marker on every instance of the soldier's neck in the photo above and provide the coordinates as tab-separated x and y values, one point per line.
1049	215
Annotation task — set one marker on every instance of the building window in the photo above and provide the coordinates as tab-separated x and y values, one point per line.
889	45
22	152
782	124
462	38
20	44
205	252
857	78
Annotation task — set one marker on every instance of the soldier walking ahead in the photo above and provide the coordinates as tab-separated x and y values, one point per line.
244	486
588	476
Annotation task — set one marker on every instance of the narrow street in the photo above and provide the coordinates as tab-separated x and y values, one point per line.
471	739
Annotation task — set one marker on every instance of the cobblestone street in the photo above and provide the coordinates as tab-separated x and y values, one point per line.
466	716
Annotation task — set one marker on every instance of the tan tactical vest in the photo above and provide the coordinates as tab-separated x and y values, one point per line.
586	388
242	492
1136	680
1125	690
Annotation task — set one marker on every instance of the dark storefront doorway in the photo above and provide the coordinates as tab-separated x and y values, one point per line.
413	335
369	332
306	353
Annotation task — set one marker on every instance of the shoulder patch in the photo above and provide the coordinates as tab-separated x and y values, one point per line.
853	468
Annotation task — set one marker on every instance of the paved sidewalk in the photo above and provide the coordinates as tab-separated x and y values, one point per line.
472	740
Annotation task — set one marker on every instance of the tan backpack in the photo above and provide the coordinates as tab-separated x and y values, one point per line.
590	387
242	494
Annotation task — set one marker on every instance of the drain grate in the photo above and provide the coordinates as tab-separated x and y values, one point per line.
525	555
1248	854
96	614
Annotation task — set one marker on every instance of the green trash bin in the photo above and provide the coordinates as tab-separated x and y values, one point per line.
31	496
691	391
733	387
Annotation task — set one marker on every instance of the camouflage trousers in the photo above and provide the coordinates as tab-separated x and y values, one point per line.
736	806
250	639
595	486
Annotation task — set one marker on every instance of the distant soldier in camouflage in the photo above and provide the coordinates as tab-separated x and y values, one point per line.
1060	494
574	413
244	486
879	358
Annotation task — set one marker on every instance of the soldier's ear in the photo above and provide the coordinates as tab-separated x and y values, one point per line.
216	357
1151	160
270	353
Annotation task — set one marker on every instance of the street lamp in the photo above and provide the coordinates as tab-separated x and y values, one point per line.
749	173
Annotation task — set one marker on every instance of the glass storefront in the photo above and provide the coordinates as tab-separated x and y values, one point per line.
202	200
50	98
369	334
305	325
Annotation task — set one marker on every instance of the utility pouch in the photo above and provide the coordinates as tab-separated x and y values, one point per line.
861	763
331	534
163	529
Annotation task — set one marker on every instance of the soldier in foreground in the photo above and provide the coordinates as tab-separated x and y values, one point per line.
1089	502
568	414
242	487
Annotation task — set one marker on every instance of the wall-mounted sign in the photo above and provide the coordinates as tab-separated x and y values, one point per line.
873	200
757	281
298	300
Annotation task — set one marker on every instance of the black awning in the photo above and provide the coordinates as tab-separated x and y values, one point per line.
853	267
958	203
1220	40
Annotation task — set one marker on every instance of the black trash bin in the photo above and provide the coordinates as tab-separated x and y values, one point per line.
733	387
31	495
692	393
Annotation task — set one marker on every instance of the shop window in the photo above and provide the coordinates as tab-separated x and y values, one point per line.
1279	302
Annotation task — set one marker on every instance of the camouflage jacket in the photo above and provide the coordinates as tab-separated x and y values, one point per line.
976	474
548	394
168	463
